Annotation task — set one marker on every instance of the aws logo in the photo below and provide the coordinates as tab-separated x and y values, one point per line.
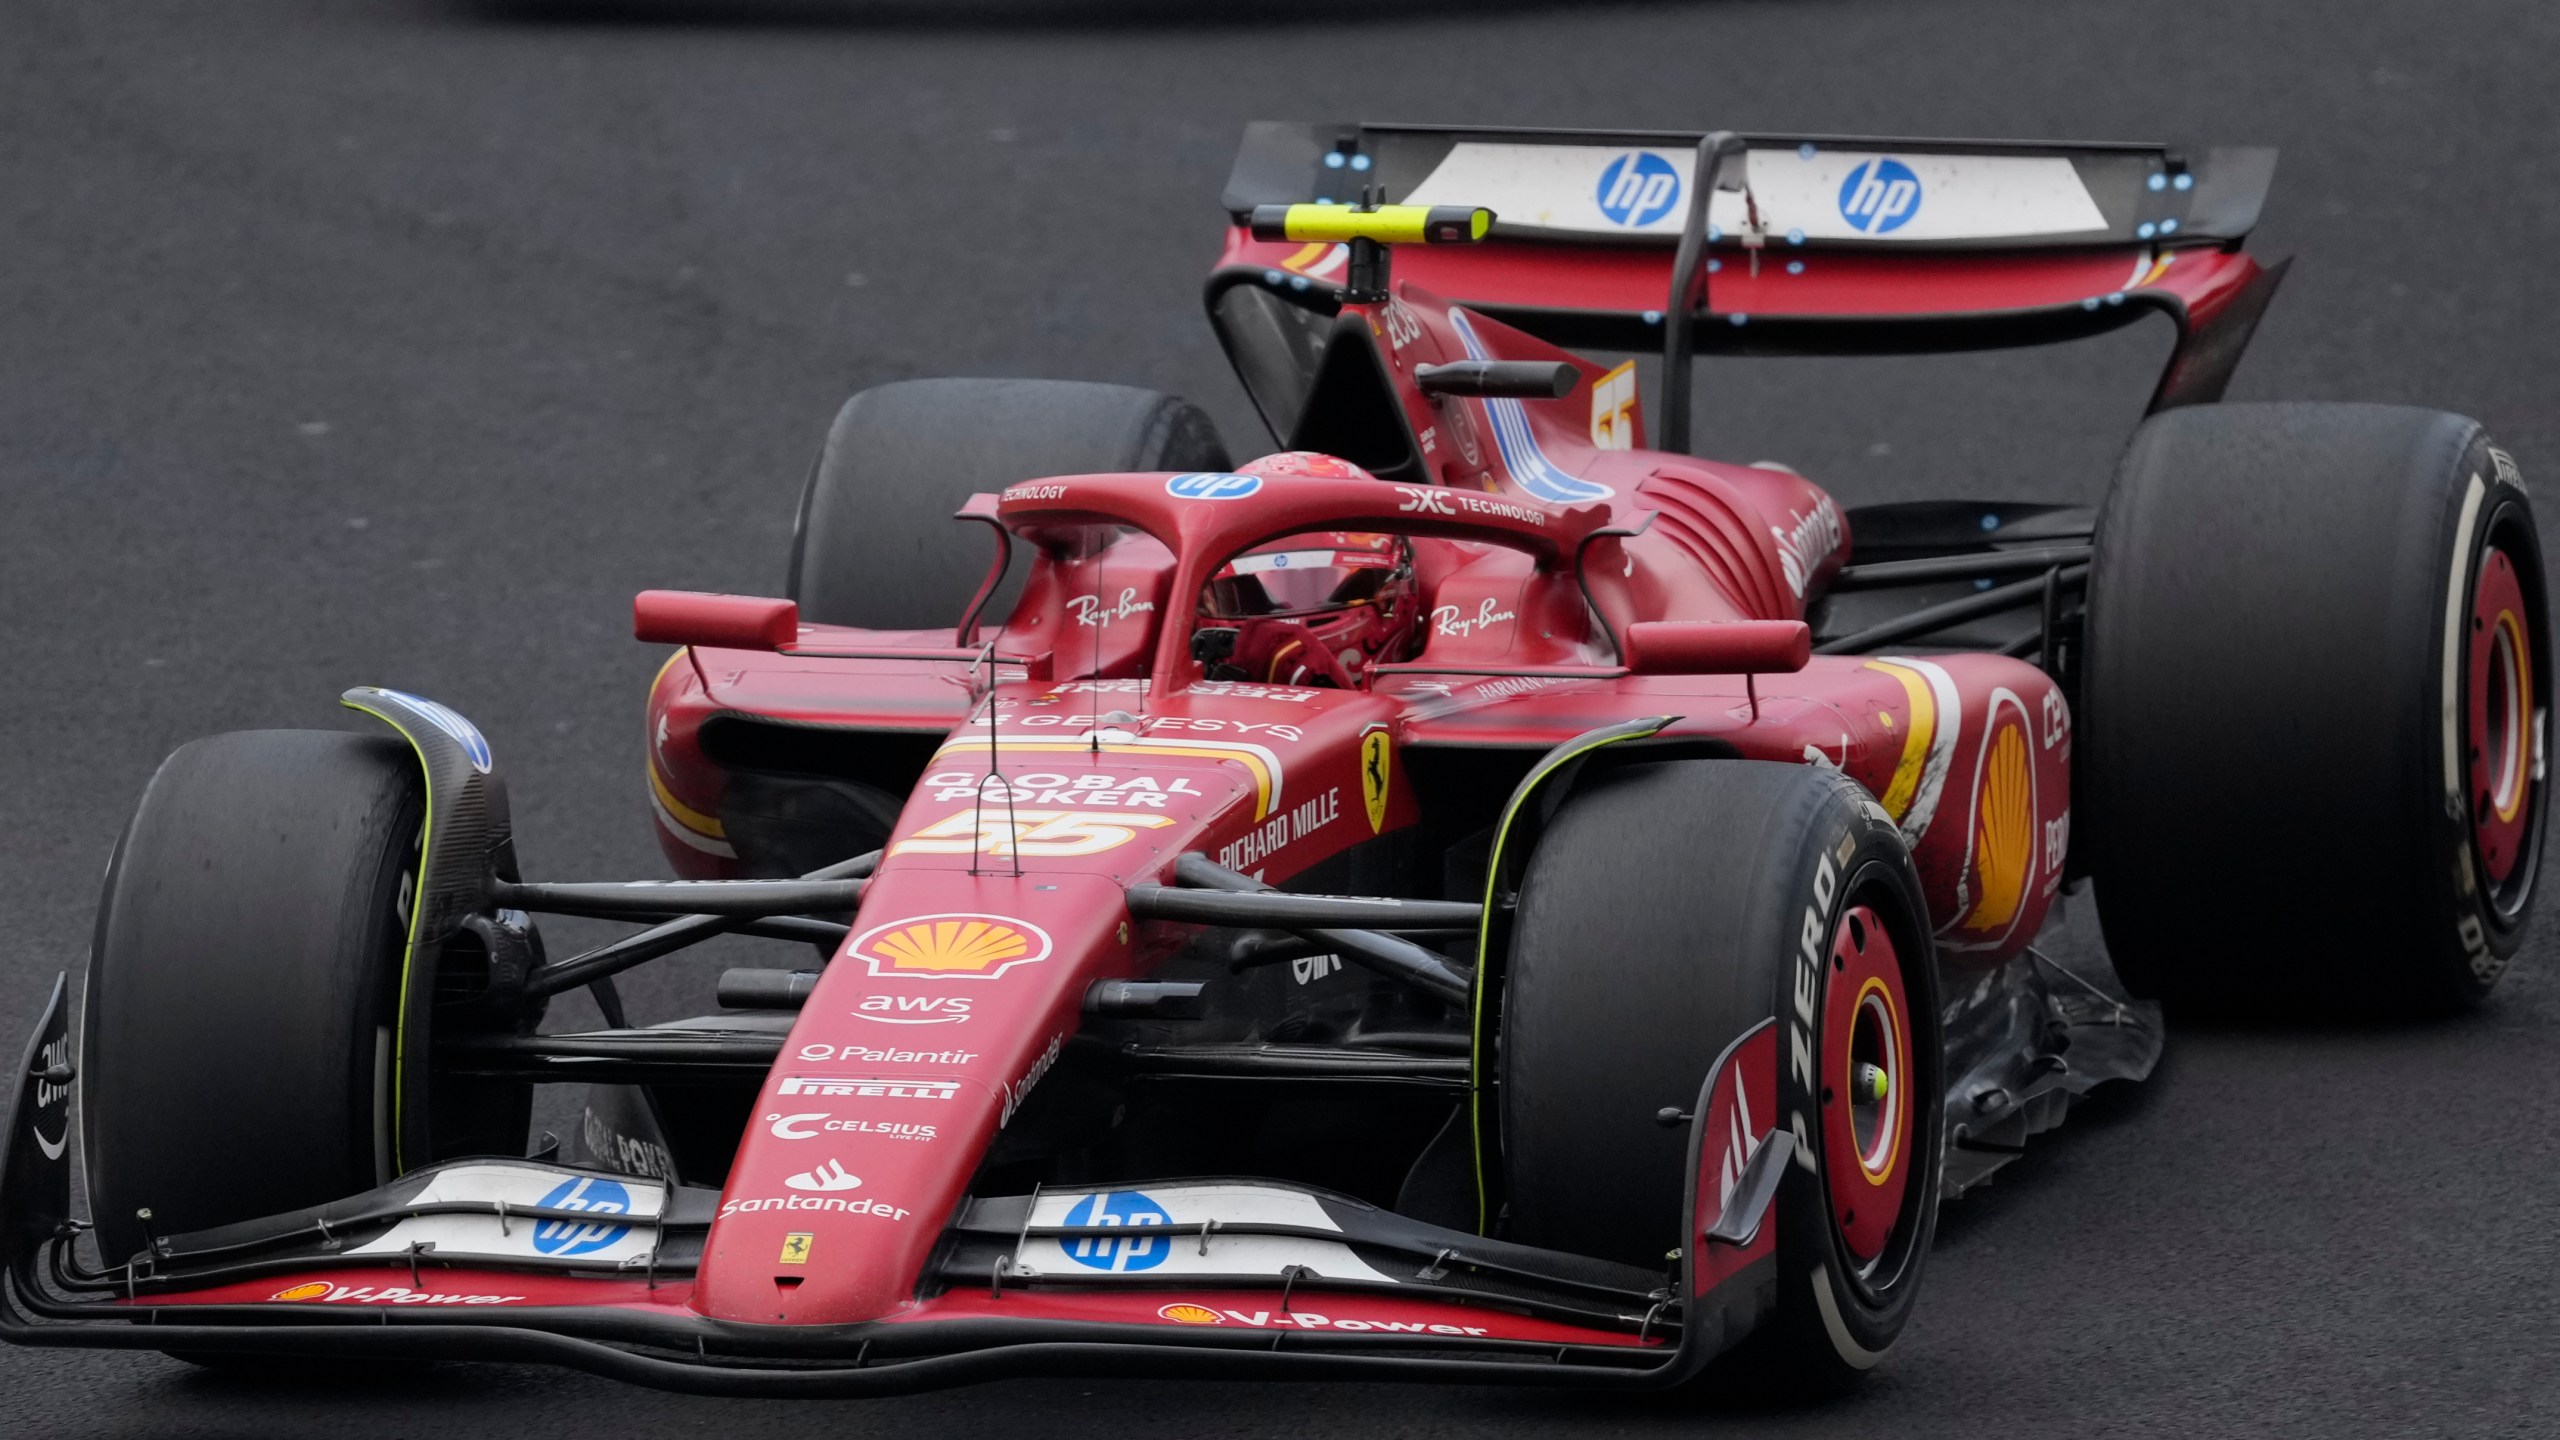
913	1009
952	946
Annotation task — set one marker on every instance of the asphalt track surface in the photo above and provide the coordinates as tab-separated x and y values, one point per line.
397	342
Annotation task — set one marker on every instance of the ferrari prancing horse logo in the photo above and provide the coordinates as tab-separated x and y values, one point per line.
1374	761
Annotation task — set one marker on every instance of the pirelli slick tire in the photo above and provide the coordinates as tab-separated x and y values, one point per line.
2312	718
243	981
1669	908
875	544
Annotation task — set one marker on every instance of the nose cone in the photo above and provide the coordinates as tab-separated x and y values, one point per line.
917	1044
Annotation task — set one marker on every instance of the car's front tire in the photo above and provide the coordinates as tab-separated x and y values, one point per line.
1662	916
244	982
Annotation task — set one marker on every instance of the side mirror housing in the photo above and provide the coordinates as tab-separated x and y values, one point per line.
727	622
1717	647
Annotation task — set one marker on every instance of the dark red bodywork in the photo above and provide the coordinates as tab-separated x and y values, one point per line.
1970	753
1572	580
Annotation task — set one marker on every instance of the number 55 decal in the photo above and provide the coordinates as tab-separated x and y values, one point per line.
1043	834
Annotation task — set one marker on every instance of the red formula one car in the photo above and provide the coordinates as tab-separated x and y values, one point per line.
1478	894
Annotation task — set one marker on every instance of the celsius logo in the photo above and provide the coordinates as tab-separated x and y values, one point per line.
1119	1208
1638	188
1879	196
570	1237
1212	485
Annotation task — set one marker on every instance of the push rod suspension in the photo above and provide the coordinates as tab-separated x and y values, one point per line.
1887	573
673	935
1939	617
1208	886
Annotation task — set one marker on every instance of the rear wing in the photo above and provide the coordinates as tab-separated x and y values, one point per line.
1808	244
1813	192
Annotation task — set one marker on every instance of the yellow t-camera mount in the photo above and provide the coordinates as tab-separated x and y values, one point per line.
1369	230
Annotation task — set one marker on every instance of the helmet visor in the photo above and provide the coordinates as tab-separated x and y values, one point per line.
1296	582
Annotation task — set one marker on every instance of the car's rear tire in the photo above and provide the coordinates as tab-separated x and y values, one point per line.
1660	918
243	983
875	544
2294	790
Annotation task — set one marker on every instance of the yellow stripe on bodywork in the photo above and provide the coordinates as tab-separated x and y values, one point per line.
1937	721
1915	739
1308	255
694	820
694	828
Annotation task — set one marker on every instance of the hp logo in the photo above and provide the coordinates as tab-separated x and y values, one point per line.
1638	188
1879	196
1212	485
568	1237
1119	1253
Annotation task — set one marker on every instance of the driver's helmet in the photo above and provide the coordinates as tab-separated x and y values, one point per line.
1316	608
1313	463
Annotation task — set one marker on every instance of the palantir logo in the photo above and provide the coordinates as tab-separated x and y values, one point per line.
1879	196
569	1237
1119	1253
1638	188
1212	485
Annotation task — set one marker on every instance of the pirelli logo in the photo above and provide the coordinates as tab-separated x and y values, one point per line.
871	1089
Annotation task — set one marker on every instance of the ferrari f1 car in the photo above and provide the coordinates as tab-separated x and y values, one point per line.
1477	894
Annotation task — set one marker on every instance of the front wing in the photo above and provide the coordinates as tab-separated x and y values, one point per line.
520	1260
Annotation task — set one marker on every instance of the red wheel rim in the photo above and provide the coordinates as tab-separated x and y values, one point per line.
2500	709
1867	1075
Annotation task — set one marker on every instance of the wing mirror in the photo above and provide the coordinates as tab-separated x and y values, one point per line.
727	622
1717	647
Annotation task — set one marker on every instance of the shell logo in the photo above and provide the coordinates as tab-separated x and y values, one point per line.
1190	1315
310	1290
2004	826
952	947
